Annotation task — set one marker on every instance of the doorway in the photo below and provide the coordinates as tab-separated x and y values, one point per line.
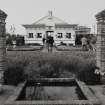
49	33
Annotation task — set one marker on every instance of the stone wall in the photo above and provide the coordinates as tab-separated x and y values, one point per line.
90	98
100	51
2	45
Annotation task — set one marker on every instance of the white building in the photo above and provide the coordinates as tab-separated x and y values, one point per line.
50	25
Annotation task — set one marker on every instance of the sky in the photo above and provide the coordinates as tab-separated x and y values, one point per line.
20	12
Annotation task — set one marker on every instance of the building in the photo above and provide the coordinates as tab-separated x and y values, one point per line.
50	26
82	31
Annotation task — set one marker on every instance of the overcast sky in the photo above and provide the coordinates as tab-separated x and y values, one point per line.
72	11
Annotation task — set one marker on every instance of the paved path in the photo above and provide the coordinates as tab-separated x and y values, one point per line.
45	50
99	92
7	91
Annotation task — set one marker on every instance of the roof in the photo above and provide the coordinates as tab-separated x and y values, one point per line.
83	27
100	14
66	25
56	26
2	14
34	25
50	18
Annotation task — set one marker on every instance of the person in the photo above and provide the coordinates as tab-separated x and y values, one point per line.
89	47
93	43
84	43
50	42
43	41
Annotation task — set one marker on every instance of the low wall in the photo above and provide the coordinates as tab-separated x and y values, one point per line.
20	91
71	102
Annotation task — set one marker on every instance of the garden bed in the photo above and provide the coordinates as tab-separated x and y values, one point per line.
68	48
36	64
25	48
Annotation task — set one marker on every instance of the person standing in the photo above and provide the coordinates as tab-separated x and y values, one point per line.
50	42
43	41
84	43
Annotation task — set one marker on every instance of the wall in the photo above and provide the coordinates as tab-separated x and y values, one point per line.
57	40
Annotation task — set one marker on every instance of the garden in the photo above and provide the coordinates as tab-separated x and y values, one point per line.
22	65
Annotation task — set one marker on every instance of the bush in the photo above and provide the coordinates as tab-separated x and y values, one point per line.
55	65
45	68
14	75
89	76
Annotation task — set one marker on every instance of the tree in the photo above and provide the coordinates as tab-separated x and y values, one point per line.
8	39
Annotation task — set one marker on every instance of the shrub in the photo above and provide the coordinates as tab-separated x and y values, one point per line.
14	75
87	73
46	68
55	65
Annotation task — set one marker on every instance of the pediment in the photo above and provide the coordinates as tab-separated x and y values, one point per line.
50	20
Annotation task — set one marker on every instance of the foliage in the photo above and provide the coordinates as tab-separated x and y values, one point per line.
8	39
87	73
55	65
14	74
93	40
18	38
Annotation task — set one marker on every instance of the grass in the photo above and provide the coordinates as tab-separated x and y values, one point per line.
36	64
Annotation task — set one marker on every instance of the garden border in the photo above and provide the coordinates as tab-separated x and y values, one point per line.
20	91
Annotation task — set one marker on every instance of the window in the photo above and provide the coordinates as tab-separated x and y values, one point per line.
39	35
30	35
68	35
59	35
